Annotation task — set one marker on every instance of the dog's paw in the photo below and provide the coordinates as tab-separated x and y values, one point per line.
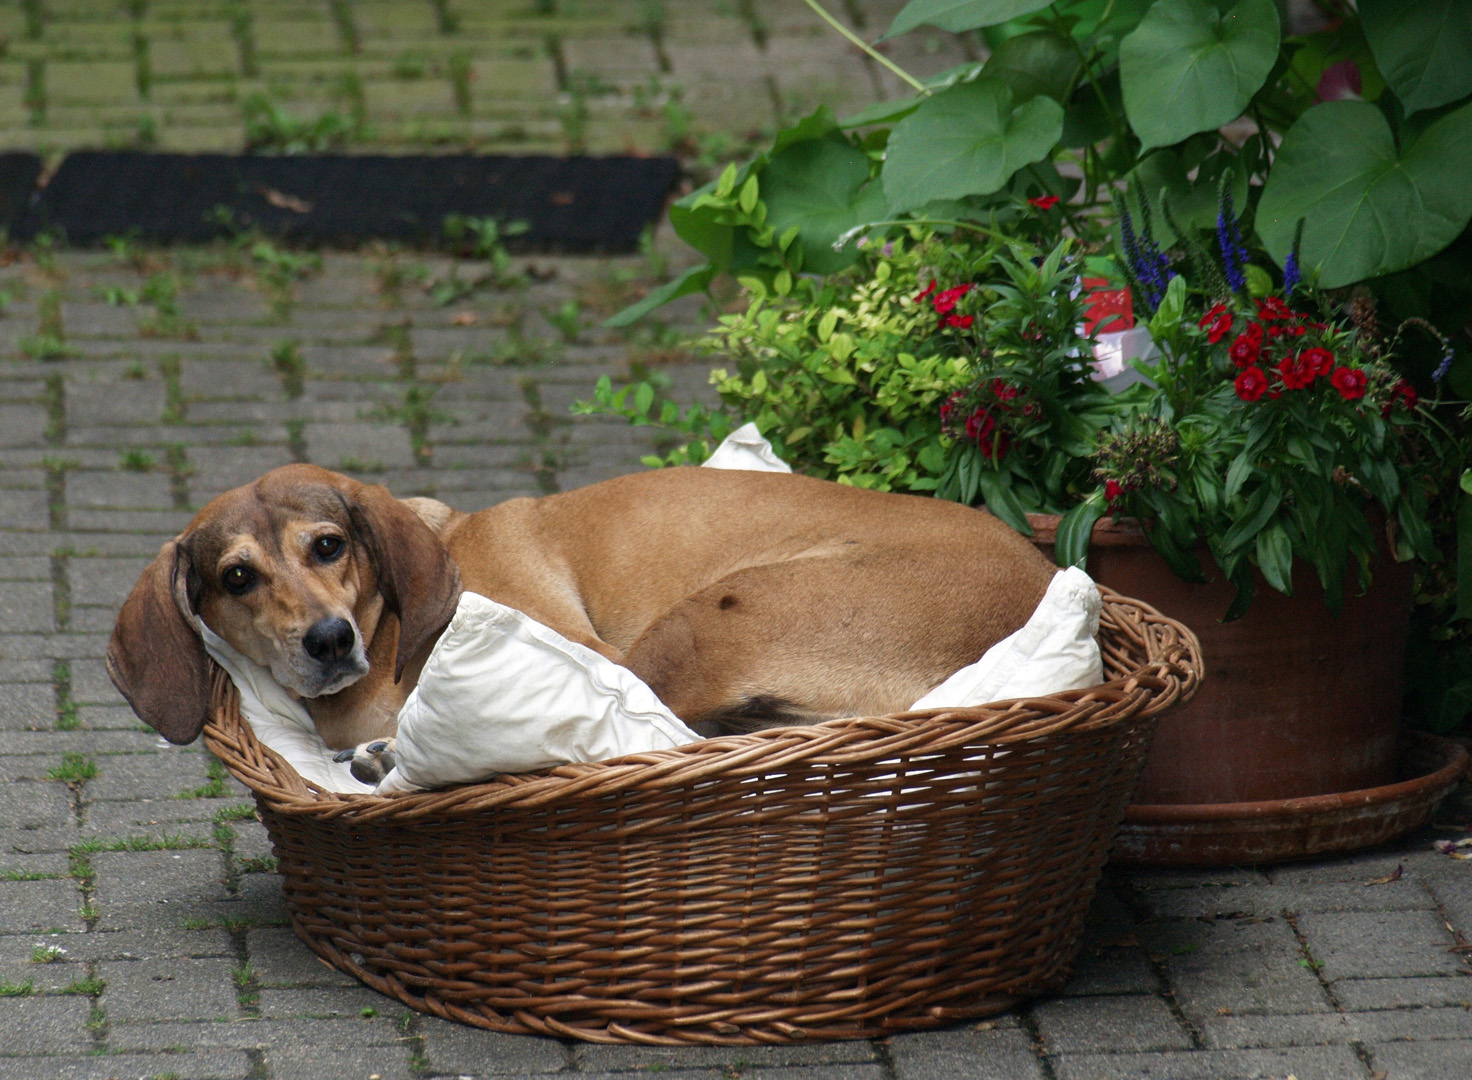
371	761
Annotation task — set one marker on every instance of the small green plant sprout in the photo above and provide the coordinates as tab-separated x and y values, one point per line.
214	788
49	340
27	875
367	1012
10	989
411	64
162	291
359	465
269	127
567	319
74	769
290	367
118	296
43	953
279	271
91	986
135	460
485	238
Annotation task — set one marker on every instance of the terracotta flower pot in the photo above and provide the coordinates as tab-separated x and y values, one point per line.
1292	746
1295	702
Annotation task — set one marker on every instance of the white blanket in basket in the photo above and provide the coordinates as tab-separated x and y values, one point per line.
502	692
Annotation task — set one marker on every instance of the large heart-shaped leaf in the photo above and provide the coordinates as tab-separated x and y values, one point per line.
959	15
821	186
1422	47
968	140
1368	207
1042	62
1187	67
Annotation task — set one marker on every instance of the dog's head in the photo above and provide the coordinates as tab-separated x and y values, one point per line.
294	571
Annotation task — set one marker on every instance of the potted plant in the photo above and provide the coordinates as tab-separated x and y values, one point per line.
1313	470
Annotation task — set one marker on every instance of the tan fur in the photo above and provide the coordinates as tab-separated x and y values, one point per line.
742	598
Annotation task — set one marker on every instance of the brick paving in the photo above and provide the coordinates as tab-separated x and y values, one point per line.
142	929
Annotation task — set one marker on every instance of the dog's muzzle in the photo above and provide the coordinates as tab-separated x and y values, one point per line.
333	646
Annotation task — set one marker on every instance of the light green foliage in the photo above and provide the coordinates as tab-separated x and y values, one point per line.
846	375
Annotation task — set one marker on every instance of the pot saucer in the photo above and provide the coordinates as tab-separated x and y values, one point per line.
1216	834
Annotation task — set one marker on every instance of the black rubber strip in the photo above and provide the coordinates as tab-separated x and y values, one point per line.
575	204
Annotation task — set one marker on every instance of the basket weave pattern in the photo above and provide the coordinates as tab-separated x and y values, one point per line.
846	880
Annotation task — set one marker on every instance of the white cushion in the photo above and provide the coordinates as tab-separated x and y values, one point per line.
501	692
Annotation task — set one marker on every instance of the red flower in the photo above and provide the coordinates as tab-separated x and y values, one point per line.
1044	202
930	289
1350	382
946	301
1271	307
1220	328
1113	489
962	321
1211	316
1405	392
1297	373
1248	345
1005	391
1251	384
1321	360
982	427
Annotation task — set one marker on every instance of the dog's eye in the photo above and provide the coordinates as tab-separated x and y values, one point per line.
327	548
238	580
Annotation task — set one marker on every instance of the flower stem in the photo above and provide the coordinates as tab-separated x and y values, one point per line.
866	48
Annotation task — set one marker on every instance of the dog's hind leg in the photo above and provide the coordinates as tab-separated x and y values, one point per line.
859	632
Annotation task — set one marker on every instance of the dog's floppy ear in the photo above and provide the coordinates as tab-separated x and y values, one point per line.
418	580
155	657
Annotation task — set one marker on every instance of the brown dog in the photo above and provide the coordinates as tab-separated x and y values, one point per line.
744	599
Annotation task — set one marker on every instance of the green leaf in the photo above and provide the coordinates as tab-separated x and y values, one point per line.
1417	532
1260	508
1368	208
1071	546
887	112
1422	47
1172	307
1182	562
643	398
815	125
967	140
1193	203
1275	558
822	188
1464	555
959	15
1466	481
696	279
996	492
1187	67
1243	582
1043	62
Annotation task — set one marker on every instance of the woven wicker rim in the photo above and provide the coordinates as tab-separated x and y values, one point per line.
1170	675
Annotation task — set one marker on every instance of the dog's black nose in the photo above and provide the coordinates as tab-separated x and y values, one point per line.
328	640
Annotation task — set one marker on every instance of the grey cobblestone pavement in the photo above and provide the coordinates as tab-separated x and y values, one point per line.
142	928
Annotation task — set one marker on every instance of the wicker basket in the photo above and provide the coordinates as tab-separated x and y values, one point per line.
846	880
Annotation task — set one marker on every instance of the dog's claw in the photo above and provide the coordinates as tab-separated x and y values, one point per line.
377	747
343	755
